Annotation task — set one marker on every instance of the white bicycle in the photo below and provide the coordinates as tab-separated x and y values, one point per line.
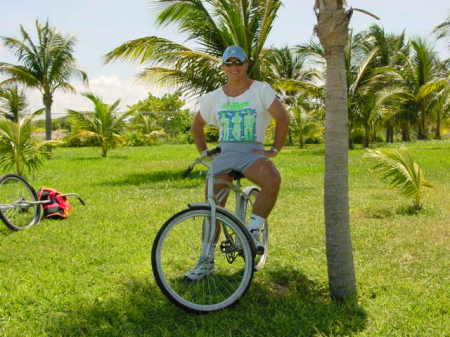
19	205
207	229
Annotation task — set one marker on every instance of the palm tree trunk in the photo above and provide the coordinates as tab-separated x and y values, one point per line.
48	101
422	132
389	134
332	29
289	136
406	137
437	134
366	136
18	162
104	150
300	124
301	140
350	129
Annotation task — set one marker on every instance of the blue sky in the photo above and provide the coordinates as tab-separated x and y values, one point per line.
101	25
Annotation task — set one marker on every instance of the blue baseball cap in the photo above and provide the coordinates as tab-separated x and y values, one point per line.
234	52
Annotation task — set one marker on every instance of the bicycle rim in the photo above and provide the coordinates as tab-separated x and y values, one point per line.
246	208
178	247
14	190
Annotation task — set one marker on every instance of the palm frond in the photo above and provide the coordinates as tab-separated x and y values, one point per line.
18	148
363	71
399	170
102	124
12	103
19	75
144	49
443	30
432	87
212	25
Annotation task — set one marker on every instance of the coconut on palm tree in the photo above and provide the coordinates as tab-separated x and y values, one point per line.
104	124
210	25
46	64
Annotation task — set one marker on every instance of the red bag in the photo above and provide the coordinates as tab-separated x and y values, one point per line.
58	206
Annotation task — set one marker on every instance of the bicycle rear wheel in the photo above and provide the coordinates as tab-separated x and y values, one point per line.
180	244
245	208
15	212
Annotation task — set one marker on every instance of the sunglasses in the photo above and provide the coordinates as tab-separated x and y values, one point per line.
233	63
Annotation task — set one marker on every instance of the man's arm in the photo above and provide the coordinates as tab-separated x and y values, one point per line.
281	117
198	132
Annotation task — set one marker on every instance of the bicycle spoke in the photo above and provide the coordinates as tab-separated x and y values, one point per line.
15	192
180	253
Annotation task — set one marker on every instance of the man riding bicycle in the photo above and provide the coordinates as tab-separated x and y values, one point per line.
242	109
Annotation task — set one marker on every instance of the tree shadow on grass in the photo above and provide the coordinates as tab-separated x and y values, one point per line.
5	231
156	177
285	303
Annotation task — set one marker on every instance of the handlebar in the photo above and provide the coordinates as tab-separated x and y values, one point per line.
75	195
203	155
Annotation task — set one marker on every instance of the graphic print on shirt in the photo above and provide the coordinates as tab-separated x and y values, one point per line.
238	122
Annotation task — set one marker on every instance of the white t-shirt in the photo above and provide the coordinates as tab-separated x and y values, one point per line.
240	119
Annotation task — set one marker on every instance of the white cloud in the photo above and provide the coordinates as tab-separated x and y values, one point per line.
108	88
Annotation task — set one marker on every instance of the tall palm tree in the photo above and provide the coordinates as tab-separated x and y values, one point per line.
360	75
47	64
299	87
332	29
391	48
415	81
12	103
438	93
210	24
103	124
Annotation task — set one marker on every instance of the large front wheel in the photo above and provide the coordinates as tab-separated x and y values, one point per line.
19	208
181	246
245	208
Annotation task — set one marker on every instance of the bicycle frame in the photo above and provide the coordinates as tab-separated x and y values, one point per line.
22	203
26	203
213	201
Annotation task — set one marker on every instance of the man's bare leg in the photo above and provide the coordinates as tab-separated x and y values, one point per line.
264	174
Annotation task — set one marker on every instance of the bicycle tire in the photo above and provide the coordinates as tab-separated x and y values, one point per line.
245	211
14	188
170	260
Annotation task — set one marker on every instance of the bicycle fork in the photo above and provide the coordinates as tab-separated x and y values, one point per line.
211	229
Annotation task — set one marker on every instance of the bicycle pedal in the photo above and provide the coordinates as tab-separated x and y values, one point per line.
259	250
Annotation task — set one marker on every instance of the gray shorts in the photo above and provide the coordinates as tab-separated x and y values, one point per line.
236	156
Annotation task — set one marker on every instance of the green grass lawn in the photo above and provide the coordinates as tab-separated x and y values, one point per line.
90	275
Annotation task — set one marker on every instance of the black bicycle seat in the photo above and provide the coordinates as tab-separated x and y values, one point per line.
236	175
